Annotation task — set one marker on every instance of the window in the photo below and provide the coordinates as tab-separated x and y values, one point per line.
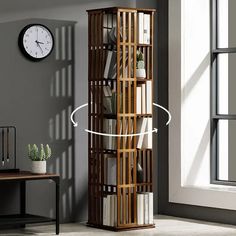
223	91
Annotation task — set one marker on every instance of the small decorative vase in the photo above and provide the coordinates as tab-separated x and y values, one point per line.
141	73
38	167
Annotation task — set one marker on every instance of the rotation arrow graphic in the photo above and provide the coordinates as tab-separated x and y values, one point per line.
122	135
163	108
72	114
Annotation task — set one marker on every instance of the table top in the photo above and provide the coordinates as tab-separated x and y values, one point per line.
25	175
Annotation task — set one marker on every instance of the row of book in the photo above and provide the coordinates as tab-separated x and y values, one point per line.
144	98
110	70
144	128
144	209
144	28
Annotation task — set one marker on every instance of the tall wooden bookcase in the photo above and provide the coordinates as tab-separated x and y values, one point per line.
125	23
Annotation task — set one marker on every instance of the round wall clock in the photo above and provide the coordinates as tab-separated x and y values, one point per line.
36	42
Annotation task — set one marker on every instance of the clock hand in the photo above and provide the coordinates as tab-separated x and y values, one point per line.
38	42
40	48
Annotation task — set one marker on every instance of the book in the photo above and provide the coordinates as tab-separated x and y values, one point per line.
109	127
138	100
108	210
115	210
149	97
107	99
140	208
146	208
104	211
141	128
140	27
146	29
143	97
111	170
150	206
147	141
108	62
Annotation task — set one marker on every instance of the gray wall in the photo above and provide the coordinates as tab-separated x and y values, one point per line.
37	98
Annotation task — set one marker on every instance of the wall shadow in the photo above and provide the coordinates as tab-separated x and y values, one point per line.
37	98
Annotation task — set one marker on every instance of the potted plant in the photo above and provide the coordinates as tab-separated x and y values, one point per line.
140	66
39	157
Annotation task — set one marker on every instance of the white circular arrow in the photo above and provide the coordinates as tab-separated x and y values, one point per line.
122	135
163	108
119	135
72	114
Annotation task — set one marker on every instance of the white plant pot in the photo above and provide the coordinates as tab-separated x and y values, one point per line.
141	73
39	167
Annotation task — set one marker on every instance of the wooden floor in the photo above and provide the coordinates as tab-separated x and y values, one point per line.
165	226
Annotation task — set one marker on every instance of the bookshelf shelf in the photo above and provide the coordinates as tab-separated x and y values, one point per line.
120	167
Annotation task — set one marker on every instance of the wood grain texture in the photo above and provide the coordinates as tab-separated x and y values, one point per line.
101	21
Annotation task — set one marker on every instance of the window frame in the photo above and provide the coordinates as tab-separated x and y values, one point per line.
214	116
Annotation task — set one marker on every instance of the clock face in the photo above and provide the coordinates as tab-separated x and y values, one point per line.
36	41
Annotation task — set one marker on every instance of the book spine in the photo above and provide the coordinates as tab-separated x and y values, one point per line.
138	100
140	209
149	97
108	210
107	66
143	97
115	210
140	27
149	136
146	208
150	206
104	211
146	29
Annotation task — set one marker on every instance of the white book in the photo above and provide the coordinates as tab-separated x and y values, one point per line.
111	171
110	128
138	100
147	141
143	97
141	127
104	211
150	206
149	97
140	209
112	210
140	27
108	210
113	132
146	29
115	210
107	66
146	208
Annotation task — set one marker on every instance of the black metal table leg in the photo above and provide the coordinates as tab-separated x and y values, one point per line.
57	181
23	199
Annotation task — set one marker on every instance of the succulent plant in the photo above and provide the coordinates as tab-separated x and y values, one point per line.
140	60
39	155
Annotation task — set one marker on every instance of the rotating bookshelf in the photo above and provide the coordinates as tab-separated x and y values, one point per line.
120	103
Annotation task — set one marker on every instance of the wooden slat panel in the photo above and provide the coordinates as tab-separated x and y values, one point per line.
118	163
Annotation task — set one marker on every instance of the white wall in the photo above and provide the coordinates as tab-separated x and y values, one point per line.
189	103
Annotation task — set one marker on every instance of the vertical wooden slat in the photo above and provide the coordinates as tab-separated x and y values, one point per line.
89	115
134	123
124	111
129	119
118	124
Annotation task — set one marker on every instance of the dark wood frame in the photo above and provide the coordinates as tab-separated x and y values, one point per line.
24	218
127	185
